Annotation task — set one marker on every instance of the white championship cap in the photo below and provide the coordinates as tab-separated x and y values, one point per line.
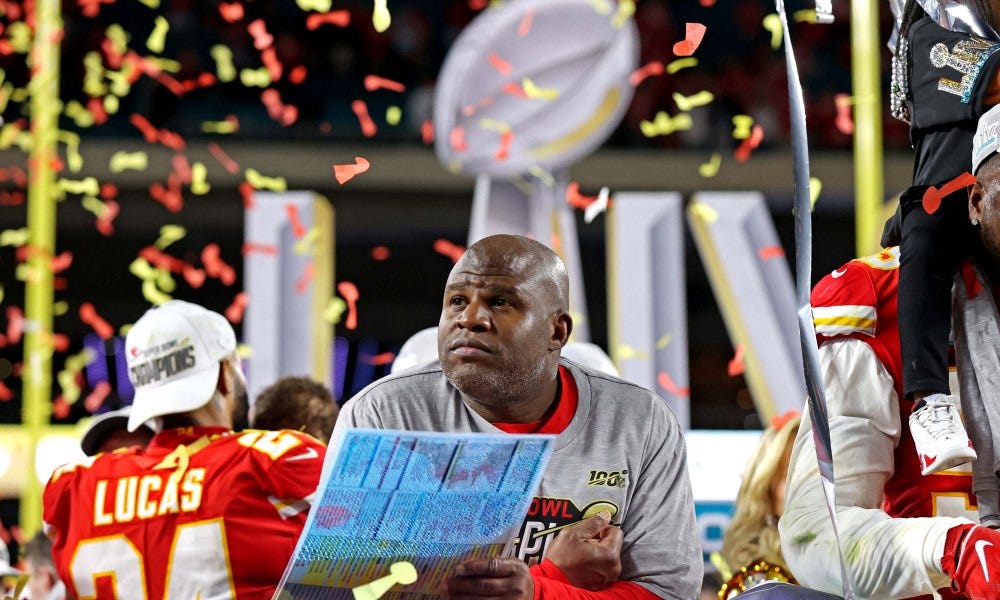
590	355
986	141
422	347
173	355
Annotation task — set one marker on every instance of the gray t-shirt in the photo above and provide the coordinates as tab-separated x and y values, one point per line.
622	451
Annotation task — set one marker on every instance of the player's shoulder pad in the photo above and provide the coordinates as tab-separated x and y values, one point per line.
285	445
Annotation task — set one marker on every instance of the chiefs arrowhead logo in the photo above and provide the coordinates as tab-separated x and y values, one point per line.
928	460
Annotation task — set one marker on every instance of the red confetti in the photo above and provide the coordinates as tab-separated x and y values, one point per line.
246	192
449	249
707	3
668	384
340	18
768	252
162	260
60	409
477	4
932	197
380	253
62	262
106	222
844	122
96	109
297	75
60	342
149	133
374	82
525	25
182	167
307	275
108	191
735	366
694	33
169	196
577	200
234	313
231	12
514	89
499	64
91	8
649	69
345	173
380	359
750	144
215	266
349	292
268	249
194	276
96	397
270	59
427	132
505	140
368	128
286	114
298	229
220	155
88	314
5	393
457	139
15	324
261	38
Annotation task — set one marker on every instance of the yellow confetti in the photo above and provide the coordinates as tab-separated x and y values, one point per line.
664	341
535	92
255	77
26	272
603	7
772	23
316	5
224	68
153	295
86	186
806	15
663	124
686	103
111	104
711	168
335	308
67	377
19	35
168	235
19	585
393	114
94	205
151	3
1	293
542	174
626	352
14	237
244	350
79	114
165	64
124	329
219	126
381	18
260	182
741	126
6	91
626	8
93	78
120	85
158	37
304	245
72	140
60	308
10	135
141	268
681	63
815	186
704	212
118	37
490	124
402	573
199	179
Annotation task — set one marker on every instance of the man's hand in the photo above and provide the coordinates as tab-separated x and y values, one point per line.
589	552
972	560
490	578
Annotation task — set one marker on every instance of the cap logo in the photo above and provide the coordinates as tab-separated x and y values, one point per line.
164	365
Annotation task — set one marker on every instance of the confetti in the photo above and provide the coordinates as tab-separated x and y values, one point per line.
368	128
457	139
534	92
258	31
499	64
5	393
769	252
379	253
735	366
345	173
306	278
304	245
199	174
170	195
89	316
704	212
664	341
374	82
335	308
772	23
105	221
298	229
215	266
349	292
250	247
626	352
815	186
597	207
168	235
149	133
681	63
158	37
403	573
87	186
231	12
711	168
393	114
381	18
707	3
317	5
449	249
686	103
181	167
122	161
668	384
270	59
648	70
805	15
223	57
663	124
255	77
693	34
14	237
15	324
742	125
506	138
260	182
339	18
378	360
577	200
194	276
542	175
603	7
231	124
220	155
234	313
742	154
844	122
96	397
526	20
933	196
626	9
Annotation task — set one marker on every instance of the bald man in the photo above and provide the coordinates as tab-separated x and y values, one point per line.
619	464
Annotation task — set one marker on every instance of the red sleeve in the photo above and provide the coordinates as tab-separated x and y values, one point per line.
291	461
551	584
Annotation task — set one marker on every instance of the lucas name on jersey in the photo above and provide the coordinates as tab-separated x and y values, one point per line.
126	499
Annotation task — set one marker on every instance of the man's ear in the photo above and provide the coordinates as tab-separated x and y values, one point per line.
224	383
975	202
562	329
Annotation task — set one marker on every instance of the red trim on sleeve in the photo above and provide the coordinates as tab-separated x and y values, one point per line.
559	418
558	588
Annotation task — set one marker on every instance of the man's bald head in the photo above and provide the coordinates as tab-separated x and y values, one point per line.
534	262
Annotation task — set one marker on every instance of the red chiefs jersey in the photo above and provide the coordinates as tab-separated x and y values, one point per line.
201	513
858	300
